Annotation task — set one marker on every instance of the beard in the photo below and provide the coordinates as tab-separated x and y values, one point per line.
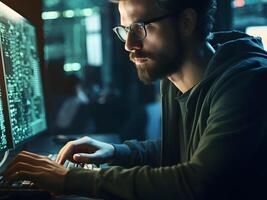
158	66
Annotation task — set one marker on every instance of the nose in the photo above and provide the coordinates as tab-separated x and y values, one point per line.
132	43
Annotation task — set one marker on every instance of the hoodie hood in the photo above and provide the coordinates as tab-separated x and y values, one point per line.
232	47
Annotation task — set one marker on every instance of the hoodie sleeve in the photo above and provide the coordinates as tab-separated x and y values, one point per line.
235	131
133	153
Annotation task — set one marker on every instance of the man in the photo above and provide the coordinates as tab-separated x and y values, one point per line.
213	119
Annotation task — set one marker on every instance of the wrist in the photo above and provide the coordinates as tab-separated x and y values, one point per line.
121	154
74	186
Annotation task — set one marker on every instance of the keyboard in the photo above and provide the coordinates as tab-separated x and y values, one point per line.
69	164
22	190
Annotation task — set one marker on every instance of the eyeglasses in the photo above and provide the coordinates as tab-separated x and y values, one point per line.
138	29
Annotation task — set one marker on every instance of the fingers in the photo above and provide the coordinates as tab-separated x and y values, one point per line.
27	162
25	156
14	171
64	153
32	154
96	157
39	169
85	150
82	145
24	175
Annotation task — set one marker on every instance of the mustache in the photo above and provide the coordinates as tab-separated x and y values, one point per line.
134	55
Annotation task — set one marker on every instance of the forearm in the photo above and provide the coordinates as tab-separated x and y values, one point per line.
179	182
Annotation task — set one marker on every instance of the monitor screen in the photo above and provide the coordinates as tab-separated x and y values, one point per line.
21	70
258	31
3	132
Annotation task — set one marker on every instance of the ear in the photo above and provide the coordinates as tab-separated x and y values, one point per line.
188	22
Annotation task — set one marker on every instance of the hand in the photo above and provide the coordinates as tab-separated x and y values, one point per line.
86	150
43	172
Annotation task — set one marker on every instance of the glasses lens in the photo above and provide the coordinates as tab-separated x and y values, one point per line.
138	30
121	32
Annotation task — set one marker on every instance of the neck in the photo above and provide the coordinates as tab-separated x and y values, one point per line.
192	70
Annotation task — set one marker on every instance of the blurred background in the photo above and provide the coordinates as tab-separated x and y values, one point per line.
90	85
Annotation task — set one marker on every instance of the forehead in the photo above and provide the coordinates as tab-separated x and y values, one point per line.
138	10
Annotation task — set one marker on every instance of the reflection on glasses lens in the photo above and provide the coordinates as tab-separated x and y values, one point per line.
137	31
122	33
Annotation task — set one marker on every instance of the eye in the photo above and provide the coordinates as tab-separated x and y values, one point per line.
150	27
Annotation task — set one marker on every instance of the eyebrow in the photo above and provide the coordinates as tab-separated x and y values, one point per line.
151	20
142	18
136	21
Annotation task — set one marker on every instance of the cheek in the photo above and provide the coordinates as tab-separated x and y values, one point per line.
160	42
160	49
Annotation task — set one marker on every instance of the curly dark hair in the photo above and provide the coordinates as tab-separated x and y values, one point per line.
205	10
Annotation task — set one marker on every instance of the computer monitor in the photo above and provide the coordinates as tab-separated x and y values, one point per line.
22	76
260	31
5	139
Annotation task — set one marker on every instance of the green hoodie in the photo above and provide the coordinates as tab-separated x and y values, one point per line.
223	152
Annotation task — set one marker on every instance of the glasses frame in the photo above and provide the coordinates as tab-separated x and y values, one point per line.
143	24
